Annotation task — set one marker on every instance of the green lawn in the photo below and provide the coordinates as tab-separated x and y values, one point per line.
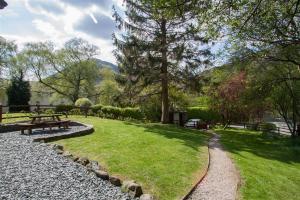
164	159
269	168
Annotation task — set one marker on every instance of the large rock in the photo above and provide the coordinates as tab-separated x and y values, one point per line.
58	151
131	187
102	174
83	161
115	181
67	154
93	166
146	197
57	147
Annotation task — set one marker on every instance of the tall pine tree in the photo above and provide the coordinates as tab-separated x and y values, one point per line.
161	44
18	93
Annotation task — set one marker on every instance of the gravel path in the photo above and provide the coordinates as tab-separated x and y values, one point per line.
31	170
222	178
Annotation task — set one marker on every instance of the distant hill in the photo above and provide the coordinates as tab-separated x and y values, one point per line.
102	63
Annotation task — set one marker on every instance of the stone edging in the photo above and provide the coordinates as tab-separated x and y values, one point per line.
130	187
50	138
203	176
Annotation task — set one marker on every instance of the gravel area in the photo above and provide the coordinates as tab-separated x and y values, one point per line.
222	179
32	170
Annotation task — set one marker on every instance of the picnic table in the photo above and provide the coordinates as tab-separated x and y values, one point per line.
44	121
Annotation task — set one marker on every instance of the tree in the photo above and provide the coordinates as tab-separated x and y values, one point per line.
7	51
266	25
18	93
3	4
70	72
161	46
108	88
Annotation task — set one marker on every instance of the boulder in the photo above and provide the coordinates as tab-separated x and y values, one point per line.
57	146
67	154
115	181
131	187
75	158
146	197
83	161
58	151
102	174
93	165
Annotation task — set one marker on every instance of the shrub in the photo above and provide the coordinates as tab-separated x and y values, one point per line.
96	108
111	112
132	113
63	108
83	102
202	113
75	111
49	111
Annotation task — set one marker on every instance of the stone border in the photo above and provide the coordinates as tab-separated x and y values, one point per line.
50	138
203	176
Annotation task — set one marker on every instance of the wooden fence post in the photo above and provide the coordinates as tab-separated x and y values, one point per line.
0	112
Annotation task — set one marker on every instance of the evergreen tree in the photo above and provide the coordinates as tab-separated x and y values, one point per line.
161	46
18	93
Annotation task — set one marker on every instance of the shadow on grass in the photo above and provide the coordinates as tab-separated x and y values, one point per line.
191	138
283	149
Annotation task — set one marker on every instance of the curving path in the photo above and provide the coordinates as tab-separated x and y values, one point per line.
221	181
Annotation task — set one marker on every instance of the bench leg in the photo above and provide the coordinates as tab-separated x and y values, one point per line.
29	131
22	131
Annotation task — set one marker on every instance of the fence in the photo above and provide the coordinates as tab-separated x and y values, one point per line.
277	130
37	108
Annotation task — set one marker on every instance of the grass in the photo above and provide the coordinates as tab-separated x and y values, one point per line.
269	168
164	159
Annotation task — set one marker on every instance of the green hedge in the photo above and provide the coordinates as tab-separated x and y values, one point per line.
96	108
118	113
202	113
64	108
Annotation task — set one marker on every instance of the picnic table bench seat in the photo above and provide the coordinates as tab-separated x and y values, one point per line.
43	124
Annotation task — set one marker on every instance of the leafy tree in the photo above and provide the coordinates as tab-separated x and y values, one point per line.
3	4
18	93
265	26
160	46
70	72
108	88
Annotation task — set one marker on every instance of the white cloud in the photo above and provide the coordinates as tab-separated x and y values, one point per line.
46	28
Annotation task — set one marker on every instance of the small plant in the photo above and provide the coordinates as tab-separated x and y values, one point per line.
83	102
75	111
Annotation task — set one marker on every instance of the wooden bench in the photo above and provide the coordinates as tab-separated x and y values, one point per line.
44	124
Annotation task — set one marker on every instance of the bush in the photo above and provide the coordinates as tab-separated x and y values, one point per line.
132	113
49	111
202	113
111	112
83	102
75	111
63	108
96	108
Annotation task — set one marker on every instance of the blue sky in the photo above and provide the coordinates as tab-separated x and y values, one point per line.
59	20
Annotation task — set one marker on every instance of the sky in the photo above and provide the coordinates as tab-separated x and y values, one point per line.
60	20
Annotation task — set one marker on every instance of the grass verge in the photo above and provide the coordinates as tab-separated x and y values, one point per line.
270	168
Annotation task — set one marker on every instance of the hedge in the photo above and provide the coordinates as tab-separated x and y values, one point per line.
202	113
64	108
117	112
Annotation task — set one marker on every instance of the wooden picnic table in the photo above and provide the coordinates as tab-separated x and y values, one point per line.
38	118
37	122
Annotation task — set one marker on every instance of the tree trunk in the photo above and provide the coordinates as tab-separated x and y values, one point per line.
164	76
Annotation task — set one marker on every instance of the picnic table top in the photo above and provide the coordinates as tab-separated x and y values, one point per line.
44	116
